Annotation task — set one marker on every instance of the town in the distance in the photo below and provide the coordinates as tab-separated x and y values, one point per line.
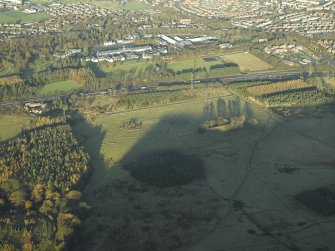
167	125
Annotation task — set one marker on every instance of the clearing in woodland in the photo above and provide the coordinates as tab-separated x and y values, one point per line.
59	87
11	125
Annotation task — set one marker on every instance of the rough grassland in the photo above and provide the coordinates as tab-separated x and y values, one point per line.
243	167
11	125
58	87
247	62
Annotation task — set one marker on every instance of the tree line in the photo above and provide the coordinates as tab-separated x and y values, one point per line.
225	111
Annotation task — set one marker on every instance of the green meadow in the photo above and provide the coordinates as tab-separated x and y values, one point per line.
134	65
11	125
247	62
59	87
192	63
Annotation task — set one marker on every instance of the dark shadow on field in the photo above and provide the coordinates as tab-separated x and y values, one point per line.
127	214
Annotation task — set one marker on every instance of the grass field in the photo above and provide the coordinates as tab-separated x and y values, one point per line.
14	16
242	165
176	66
247	62
190	63
11	125
59	87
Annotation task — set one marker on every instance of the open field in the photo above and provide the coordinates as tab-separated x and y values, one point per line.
247	194
136	66
11	125
14	16
247	62
59	87
192	63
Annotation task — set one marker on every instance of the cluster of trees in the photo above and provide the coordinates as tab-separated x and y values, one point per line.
224	109
272	60
48	155
225	112
321	200
242	88
38	122
10	80
305	97
16	91
139	100
130	124
39	174
279	87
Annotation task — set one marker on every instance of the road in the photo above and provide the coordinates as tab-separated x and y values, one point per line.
226	80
